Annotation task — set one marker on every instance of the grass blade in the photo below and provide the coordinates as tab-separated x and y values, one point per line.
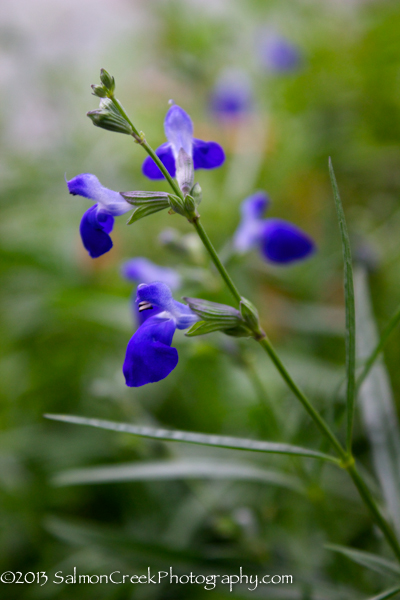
388	594
177	469
368	560
350	310
377	406
219	441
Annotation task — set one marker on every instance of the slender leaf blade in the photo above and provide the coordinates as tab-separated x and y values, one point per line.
366	559
387	594
145	210
224	325
219	441
349	307
177	469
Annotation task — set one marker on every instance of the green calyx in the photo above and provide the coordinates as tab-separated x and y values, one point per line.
216	317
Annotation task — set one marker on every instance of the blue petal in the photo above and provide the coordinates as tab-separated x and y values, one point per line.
149	356
254	206
178	129
145	271
283	242
159	295
247	235
94	229
249	232
232	95
88	186
207	155
165	154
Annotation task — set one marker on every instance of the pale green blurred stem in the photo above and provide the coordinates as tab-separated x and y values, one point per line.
379	347
347	461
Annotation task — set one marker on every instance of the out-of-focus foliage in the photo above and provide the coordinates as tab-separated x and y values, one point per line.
66	319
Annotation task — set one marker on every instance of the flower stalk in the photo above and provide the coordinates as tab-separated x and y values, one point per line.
347	460
153	333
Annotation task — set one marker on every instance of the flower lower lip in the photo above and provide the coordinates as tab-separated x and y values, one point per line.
144	305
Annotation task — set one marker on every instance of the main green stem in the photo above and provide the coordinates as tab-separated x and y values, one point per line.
346	458
215	258
316	417
374	510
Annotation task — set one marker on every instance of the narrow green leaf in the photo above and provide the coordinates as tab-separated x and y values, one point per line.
366	559
219	441
146	210
178	469
204	327
350	310
388	594
138	198
208	310
377	406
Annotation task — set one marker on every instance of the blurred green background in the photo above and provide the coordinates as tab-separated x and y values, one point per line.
66	319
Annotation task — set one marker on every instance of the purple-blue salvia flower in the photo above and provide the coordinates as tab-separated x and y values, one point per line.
149	356
145	271
278	54
98	221
178	129
232	96
279	241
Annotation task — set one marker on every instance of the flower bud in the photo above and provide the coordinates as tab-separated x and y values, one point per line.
107	80
250	316
108	117
99	90
196	193
109	121
176	204
190	204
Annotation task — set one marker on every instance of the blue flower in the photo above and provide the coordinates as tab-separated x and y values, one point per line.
98	221
145	271
231	96
178	129
279	241
278	54
149	356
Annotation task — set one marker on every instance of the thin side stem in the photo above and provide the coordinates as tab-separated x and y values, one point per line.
140	139
162	168
122	112
216	260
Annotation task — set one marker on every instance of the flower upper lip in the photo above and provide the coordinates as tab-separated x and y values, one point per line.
179	132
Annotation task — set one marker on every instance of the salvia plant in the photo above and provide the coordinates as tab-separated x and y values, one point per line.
150	356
